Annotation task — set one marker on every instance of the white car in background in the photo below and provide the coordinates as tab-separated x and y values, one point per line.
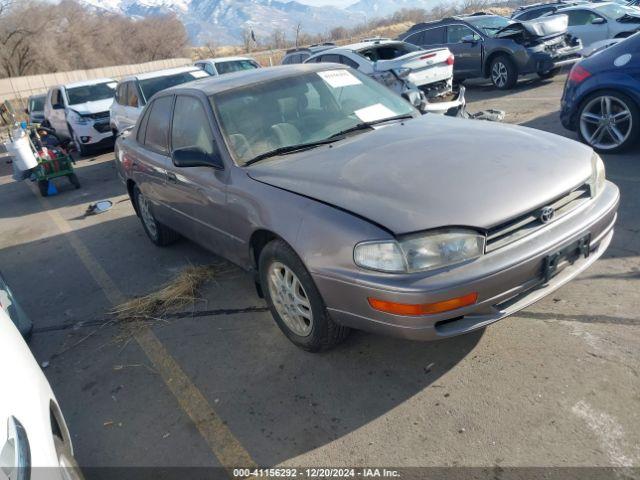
399	65
595	22
222	65
33	433
134	91
80	111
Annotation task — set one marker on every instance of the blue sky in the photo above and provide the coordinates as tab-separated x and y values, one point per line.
336	3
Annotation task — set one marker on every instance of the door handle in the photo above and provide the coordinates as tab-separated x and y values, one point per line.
171	177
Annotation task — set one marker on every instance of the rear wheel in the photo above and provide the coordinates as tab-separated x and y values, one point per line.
43	187
504	73
157	232
73	178
294	300
609	122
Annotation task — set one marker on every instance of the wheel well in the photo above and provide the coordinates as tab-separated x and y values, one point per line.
259	240
487	63
130	185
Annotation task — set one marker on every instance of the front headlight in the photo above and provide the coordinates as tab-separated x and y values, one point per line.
420	252
598	175
77	119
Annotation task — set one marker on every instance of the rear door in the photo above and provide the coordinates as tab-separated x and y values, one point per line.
152	163
202	190
468	55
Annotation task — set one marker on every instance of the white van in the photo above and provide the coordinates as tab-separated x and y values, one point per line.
133	93
80	111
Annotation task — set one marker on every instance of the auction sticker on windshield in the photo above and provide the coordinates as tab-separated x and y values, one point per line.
339	78
374	112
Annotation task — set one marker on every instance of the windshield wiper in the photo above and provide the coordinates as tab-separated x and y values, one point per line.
291	149
370	125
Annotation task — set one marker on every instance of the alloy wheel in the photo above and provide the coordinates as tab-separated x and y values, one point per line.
147	216
606	122
290	299
499	74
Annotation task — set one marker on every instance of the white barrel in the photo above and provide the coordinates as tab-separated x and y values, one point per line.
20	151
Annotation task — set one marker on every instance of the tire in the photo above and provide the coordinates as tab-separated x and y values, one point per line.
317	331
43	186
503	72
619	135
550	74
73	178
158	233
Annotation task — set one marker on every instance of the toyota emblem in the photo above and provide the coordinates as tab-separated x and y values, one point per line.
547	214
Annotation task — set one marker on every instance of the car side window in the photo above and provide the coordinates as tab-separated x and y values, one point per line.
455	33
158	123
132	95
347	61
56	98
191	127
332	58
142	126
581	17
209	69
432	36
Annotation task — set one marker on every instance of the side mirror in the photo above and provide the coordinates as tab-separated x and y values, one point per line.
58	106
598	21
469	39
196	157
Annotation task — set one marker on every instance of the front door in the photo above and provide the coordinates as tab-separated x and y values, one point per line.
202	189
581	25
468	54
57	116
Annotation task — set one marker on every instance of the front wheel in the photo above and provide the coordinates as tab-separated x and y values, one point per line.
504	73
157	232
609	122
294	300
550	74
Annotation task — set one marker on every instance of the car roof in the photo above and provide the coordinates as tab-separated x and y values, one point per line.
356	47
159	73
590	5
224	59
232	81
84	83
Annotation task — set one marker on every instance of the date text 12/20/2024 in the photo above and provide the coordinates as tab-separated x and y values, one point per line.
316	473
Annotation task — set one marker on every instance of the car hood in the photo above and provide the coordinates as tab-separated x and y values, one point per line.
540	27
88	108
435	171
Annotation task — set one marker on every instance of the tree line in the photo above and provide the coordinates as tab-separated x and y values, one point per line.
38	36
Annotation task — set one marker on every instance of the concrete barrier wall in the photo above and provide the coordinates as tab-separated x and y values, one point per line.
17	89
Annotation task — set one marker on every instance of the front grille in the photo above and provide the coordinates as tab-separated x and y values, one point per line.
97	116
530	222
102	127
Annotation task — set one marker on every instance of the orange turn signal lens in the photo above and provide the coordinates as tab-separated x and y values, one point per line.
424	308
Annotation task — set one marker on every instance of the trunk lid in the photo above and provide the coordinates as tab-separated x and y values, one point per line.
426	67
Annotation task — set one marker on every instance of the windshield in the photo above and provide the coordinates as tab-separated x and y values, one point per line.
151	86
91	93
303	109
36	104
489	25
613	10
235	66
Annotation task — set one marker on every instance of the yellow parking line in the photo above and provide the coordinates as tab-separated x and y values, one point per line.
224	445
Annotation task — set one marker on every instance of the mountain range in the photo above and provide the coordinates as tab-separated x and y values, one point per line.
223	21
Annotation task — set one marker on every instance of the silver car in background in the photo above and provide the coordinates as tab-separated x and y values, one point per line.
355	211
133	93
